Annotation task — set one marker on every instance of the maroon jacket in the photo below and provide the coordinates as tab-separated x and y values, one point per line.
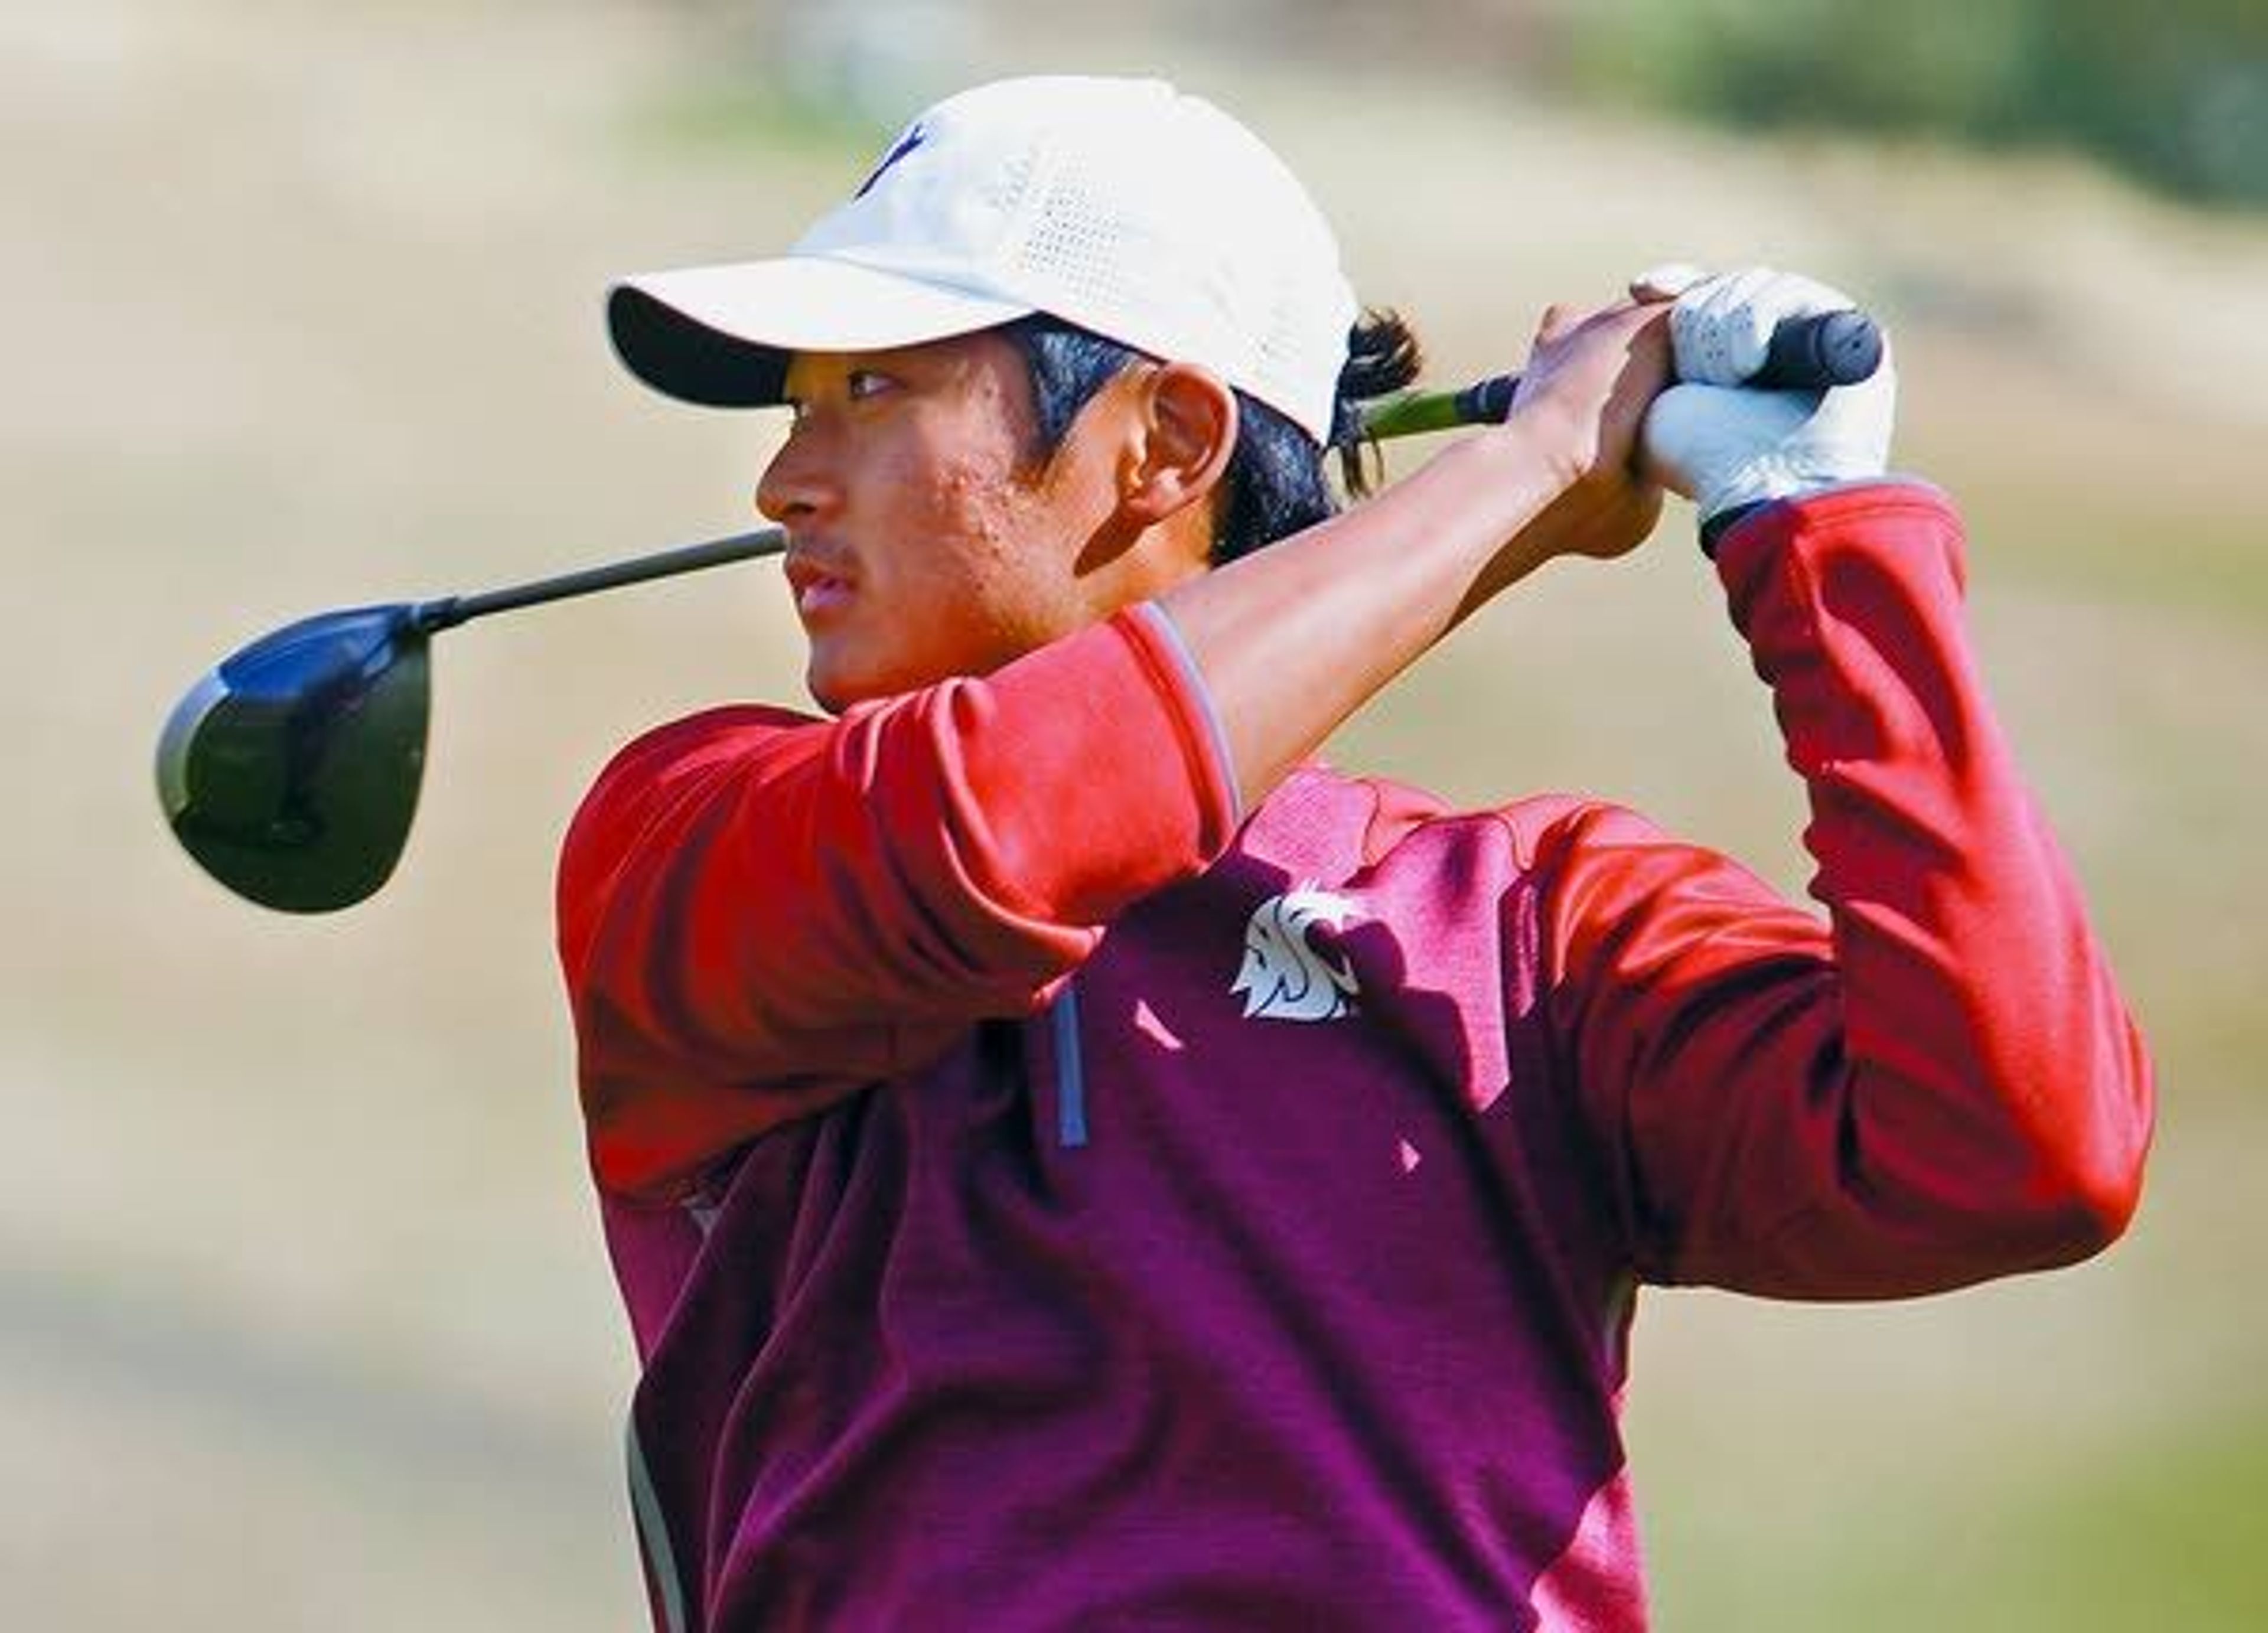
1046	1197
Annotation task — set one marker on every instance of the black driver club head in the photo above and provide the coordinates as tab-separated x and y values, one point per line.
290	771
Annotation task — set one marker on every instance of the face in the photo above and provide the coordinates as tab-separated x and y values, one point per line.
925	539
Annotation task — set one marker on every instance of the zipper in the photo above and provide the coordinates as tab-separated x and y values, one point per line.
1071	1070
654	1537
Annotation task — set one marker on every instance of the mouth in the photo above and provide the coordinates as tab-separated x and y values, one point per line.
819	587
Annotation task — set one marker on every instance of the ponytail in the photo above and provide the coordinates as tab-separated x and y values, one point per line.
1383	356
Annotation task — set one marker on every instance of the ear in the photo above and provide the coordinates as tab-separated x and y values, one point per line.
1186	434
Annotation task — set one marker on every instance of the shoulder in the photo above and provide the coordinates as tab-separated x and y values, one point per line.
1534	828
696	743
650	770
1574	858
702	738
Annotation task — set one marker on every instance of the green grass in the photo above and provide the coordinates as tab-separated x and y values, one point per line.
2143	1531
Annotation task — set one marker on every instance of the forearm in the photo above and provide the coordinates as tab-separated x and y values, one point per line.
1293	639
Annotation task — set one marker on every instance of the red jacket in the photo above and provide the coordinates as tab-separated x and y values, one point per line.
1045	1196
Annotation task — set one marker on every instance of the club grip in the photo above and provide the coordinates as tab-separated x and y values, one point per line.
1825	350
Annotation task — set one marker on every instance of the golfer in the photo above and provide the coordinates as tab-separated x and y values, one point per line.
1072	1159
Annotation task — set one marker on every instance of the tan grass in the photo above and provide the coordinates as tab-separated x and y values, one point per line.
304	312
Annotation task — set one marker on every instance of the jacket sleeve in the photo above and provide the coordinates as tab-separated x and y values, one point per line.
1940	1085
760	912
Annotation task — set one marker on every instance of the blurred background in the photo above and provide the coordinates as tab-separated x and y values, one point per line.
304	1320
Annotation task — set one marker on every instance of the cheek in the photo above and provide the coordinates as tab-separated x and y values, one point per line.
998	541
944	591
970	560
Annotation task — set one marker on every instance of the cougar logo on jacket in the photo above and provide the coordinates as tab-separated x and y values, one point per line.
1283	976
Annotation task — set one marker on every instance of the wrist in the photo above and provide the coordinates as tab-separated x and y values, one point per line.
1559	448
1717	526
1794	468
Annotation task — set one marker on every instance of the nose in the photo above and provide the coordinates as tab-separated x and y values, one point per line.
801	482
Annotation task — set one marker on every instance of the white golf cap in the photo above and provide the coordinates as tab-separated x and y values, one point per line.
1122	206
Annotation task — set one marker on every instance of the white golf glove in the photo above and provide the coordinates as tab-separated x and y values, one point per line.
1726	446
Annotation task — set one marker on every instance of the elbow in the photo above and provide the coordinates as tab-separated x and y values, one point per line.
2050	1209
2101	1198
2096	1167
2057	1178
2091	1211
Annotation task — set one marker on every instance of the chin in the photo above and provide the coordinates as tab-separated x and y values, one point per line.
830	699
836	687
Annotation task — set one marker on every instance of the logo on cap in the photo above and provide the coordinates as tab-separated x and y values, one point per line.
916	135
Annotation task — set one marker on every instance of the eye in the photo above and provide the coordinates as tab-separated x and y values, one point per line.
865	382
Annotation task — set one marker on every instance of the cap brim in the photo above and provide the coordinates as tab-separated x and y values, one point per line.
721	336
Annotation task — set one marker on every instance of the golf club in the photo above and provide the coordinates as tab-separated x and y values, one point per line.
290	771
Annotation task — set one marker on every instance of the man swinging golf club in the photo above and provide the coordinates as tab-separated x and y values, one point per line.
1074	1160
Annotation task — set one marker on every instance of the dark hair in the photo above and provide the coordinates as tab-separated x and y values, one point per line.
1276	483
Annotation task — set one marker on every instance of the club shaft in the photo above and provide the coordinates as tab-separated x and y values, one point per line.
1825	350
1808	353
685	558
